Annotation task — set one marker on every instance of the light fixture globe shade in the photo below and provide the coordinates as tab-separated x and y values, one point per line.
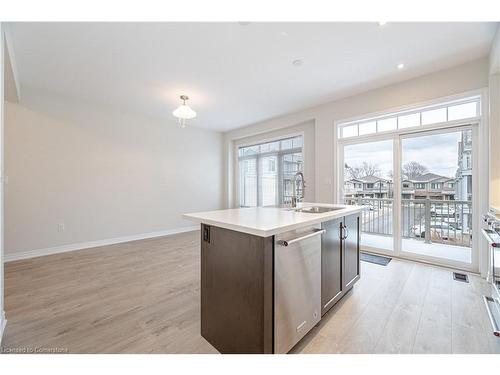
184	112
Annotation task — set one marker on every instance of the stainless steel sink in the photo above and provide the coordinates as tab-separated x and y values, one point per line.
317	209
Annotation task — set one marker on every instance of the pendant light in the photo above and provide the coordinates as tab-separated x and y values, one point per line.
184	112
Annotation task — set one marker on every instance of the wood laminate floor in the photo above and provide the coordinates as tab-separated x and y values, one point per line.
143	297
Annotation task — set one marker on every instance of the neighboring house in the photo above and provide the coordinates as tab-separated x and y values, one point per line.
368	187
464	171
429	185
464	176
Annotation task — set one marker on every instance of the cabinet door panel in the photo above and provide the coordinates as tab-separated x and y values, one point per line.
236	291
351	251
331	265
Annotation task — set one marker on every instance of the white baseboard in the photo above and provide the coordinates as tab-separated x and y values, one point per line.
86	245
3	323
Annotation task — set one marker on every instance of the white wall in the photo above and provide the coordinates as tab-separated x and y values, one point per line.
102	173
2	314
470	76
495	53
494	96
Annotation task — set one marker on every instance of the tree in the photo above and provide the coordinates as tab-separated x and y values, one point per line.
413	169
366	169
353	173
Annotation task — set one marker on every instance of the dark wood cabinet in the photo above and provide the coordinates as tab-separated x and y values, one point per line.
331	264
350	250
339	259
240	292
236	290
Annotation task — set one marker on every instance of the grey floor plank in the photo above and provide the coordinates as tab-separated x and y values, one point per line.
143	297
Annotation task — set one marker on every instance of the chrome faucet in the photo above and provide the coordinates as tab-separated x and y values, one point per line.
295	197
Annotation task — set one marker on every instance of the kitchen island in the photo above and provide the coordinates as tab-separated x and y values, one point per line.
268	274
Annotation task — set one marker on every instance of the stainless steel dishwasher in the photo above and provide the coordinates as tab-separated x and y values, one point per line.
297	285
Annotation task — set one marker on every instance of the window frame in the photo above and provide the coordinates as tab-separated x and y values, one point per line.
396	114
479	128
259	141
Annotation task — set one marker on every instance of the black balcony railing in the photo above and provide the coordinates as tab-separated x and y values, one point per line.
429	220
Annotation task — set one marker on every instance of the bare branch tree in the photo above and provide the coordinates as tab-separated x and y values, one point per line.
353	173
413	169
366	169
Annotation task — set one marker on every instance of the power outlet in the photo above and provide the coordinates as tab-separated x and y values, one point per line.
60	227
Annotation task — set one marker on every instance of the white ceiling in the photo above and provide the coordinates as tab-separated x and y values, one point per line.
234	74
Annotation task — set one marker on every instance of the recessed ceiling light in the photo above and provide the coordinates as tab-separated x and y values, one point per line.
284	33
400	66
382	23
297	62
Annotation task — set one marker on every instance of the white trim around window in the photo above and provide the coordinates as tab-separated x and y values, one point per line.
482	94
421	118
239	144
479	126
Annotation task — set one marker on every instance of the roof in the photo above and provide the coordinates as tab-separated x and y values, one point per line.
369	179
428	177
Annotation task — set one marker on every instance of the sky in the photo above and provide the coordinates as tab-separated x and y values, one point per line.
438	152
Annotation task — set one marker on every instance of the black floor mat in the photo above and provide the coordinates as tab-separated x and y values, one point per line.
377	259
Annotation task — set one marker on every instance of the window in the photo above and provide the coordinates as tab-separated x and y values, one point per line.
271	165
350	131
266	171
408	121
406	185
419	186
369	186
248	182
468	163
441	113
461	111
387	124
436	185
434	116
368	128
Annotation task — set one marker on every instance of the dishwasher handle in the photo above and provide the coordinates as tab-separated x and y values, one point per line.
290	242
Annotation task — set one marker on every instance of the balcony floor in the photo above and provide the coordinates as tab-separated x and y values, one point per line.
436	250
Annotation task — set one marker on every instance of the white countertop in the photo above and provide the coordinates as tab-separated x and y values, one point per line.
268	221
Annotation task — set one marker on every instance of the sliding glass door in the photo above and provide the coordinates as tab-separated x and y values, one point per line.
425	210
368	181
437	196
